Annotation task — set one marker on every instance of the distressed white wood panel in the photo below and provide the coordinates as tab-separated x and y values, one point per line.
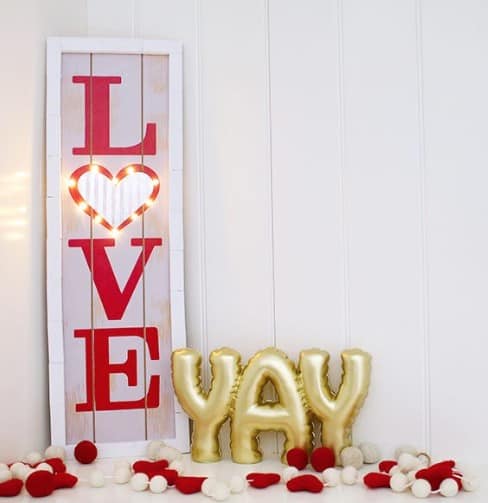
125	101
157	309
237	179
455	49
168	19
308	240
382	217
75	274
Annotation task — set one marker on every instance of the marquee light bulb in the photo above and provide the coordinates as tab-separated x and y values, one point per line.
115	233
134	216
115	181
130	170
150	202
155	182
83	206
71	182
94	168
97	219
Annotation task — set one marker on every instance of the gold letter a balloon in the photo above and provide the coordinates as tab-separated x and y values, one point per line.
251	415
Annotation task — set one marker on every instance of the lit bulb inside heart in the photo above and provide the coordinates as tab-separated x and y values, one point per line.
114	201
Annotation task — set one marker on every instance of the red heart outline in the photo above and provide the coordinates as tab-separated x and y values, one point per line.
123	173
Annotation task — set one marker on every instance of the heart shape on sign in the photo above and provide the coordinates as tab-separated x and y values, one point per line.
114	201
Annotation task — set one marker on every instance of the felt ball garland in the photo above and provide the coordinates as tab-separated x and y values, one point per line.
409	472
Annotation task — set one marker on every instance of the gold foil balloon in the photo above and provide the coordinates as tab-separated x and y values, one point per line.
237	393
208	410
251	415
336	412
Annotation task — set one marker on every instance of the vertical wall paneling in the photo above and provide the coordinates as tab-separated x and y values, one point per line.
111	18
306	182
337	146
382	213
23	355
236	175
236	160
424	300
168	19
455	51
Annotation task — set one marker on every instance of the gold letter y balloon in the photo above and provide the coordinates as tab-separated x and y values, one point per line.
336	412
208	410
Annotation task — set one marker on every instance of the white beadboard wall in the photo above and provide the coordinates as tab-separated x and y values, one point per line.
336	195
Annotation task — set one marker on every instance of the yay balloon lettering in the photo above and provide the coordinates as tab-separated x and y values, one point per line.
236	392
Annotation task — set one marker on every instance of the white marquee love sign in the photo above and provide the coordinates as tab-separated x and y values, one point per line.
115	245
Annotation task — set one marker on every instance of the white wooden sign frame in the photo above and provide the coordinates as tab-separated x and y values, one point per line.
56	47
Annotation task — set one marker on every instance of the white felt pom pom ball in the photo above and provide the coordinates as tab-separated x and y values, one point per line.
421	488
158	484
139	482
410	449
122	463
408	462
208	486
25	475
33	458
398	482
352	456
96	478
153	447
5	475
449	488
288	473
470	484
54	451
237	484
18	470
176	465
371	452
44	467
411	475
168	453
331	476
221	492
349	475
122	475
394	469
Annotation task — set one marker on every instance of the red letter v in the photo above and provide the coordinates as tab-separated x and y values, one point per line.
113	299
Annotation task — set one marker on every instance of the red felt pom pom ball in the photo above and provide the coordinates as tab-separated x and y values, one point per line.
297	457
322	458
85	452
